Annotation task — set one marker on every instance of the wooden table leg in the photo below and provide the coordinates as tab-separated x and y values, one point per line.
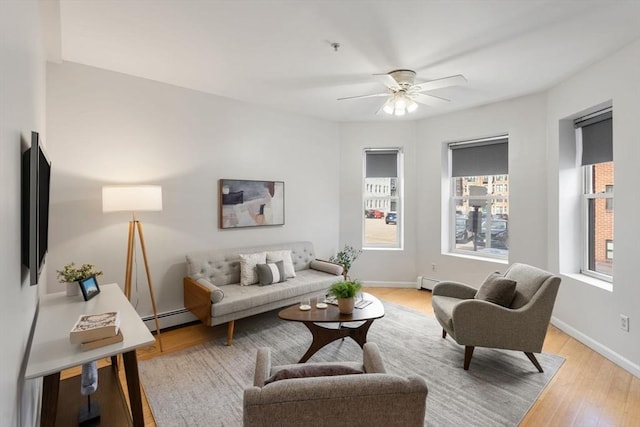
133	386
359	334
49	408
323	336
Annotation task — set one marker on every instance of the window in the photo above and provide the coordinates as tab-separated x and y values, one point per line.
594	135
382	198
609	249
609	201
480	197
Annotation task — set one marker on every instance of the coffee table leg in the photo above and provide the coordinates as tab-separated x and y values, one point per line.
323	336
359	334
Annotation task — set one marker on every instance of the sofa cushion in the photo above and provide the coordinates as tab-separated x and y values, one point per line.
307	370
241	298
497	289
248	270
285	257
271	272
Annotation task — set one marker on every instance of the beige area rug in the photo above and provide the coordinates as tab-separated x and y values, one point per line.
203	386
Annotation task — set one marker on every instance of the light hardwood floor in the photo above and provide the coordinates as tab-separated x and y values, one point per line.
588	390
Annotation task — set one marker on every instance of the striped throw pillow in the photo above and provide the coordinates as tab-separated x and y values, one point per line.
271	272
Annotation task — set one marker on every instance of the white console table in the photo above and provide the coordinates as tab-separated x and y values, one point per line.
51	351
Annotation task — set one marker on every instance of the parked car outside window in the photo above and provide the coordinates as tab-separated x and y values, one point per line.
374	213
391	218
499	234
462	233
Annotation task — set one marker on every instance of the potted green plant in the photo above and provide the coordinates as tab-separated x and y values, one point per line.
346	258
70	275
345	292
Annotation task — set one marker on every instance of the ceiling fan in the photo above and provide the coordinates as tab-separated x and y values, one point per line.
404	94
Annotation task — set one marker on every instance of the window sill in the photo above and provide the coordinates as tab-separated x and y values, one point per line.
607	286
478	258
381	248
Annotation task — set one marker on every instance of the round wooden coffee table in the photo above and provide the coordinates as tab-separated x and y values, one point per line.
333	320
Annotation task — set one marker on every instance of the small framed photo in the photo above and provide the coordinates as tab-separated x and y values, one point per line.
89	287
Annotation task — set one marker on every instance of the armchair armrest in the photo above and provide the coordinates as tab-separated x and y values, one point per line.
485	324
263	366
454	289
372	359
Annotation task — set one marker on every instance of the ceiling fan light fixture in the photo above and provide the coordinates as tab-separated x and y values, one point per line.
411	106
405	95
388	106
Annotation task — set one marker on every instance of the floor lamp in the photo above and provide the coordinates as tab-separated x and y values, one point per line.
135	198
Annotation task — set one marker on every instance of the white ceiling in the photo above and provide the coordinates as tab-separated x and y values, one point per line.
278	53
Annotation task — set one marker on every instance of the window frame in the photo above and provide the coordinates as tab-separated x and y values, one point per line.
491	199
398	199
589	194
453	217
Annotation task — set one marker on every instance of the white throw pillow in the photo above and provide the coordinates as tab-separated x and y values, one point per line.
285	257
248	270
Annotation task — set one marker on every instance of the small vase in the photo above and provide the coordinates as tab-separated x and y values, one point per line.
73	288
345	305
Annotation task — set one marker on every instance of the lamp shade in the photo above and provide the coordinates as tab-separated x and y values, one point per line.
132	198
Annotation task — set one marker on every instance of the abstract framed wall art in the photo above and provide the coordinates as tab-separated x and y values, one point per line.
245	203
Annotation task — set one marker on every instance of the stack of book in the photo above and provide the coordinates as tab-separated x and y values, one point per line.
96	330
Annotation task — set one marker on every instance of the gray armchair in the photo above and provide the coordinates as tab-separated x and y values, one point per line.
370	398
477	323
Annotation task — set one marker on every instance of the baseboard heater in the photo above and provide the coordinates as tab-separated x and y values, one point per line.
169	319
426	283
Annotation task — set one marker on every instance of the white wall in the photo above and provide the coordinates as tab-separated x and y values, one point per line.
523	119
377	266
22	92
110	128
588	312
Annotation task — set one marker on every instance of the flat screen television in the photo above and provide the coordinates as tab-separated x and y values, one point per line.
36	180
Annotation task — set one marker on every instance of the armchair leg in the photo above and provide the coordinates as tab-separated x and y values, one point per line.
533	360
444	333
468	353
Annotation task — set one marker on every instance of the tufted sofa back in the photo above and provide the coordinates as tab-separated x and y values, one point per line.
222	266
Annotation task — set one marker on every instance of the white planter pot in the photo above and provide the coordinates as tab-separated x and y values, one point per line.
345	305
73	288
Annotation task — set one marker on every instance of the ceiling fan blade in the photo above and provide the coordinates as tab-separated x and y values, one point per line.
388	81
363	96
439	83
426	99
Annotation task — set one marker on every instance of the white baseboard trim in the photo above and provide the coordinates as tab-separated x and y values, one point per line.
389	284
616	358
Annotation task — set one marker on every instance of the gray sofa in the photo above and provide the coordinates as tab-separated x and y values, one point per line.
372	398
212	290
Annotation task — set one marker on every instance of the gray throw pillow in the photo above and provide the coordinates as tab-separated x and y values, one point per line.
311	370
497	289
271	272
